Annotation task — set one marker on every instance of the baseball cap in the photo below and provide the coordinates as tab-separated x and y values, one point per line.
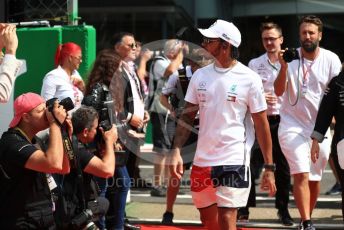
24	104
224	30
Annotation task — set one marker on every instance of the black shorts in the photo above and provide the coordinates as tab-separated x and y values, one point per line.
163	130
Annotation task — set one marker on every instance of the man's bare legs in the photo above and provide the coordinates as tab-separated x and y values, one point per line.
172	191
159	175
209	217
302	194
159	168
227	218
314	188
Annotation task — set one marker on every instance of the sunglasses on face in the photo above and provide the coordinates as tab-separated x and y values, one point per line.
132	45
210	40
270	39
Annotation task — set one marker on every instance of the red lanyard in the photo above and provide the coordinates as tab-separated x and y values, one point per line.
305	72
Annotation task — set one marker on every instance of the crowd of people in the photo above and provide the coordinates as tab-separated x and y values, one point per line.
71	154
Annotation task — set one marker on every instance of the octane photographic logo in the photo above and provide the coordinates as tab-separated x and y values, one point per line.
159	54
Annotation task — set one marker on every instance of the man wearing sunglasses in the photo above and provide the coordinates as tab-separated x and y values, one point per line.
227	94
136	117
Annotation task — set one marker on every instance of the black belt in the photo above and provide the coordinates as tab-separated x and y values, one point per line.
273	117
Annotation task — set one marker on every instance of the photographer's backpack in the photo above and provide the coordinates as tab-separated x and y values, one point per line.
153	82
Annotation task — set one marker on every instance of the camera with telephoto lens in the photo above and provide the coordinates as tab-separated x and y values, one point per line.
98	100
104	119
290	55
67	103
84	221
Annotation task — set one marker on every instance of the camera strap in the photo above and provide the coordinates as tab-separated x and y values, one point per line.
290	86
79	178
56	120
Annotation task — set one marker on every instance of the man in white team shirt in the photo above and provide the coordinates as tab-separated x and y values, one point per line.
267	66
302	83
226	93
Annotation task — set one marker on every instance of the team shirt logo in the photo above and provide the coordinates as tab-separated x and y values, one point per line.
231	95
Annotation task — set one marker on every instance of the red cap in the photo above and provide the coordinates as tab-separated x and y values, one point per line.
24	104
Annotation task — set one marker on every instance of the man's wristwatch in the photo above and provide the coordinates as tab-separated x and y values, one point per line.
270	167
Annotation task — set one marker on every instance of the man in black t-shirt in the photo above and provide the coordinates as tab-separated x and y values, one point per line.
25	195
85	126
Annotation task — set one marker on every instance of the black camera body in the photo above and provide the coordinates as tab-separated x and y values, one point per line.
84	220
99	100
67	103
291	54
104	119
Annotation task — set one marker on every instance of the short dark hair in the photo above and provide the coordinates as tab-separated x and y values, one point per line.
118	37
312	19
83	118
270	25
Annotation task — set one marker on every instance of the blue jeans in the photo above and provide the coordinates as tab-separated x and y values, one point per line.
117	192
102	184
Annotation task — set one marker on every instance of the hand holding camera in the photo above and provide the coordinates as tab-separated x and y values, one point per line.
57	111
290	54
110	136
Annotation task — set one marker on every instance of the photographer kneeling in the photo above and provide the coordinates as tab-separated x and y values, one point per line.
78	205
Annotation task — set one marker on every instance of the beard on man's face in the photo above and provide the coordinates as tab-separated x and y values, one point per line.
309	46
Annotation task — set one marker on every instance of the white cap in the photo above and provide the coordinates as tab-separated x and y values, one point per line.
224	30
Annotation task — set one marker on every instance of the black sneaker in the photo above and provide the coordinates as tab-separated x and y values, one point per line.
243	215
285	217
158	191
300	227
167	218
308	225
335	190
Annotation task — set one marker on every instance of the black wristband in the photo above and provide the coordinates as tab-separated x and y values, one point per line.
270	167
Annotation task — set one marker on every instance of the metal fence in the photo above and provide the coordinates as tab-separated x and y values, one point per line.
55	11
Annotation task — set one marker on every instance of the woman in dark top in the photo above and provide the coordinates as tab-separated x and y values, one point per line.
98	90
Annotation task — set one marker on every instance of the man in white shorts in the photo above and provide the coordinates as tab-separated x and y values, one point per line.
302	83
226	93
